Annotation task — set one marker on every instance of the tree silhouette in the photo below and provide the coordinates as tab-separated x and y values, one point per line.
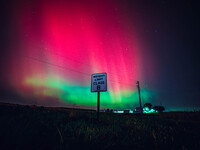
159	108
149	105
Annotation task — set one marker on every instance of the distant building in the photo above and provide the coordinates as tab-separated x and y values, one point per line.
126	111
138	110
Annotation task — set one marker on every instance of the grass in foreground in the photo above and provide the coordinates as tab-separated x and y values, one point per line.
27	127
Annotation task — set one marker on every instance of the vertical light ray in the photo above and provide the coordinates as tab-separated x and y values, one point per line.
63	43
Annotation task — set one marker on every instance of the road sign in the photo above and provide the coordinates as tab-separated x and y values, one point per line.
99	82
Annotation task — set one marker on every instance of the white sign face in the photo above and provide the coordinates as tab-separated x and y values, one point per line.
99	82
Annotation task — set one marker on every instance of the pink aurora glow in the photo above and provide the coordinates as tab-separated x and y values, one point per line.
68	41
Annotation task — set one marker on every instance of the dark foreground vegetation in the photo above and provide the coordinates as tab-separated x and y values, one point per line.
40	128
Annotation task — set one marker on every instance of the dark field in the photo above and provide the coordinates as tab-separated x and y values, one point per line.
40	128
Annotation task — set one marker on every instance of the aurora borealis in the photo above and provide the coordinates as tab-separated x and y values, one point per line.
51	48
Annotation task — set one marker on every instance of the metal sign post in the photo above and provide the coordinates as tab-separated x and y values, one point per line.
98	104
98	84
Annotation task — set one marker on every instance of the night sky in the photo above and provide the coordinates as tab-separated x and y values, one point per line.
49	49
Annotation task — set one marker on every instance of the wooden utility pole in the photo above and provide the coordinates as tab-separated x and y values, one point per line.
138	86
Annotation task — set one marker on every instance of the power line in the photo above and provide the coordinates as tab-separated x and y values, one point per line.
55	65
66	68
69	58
